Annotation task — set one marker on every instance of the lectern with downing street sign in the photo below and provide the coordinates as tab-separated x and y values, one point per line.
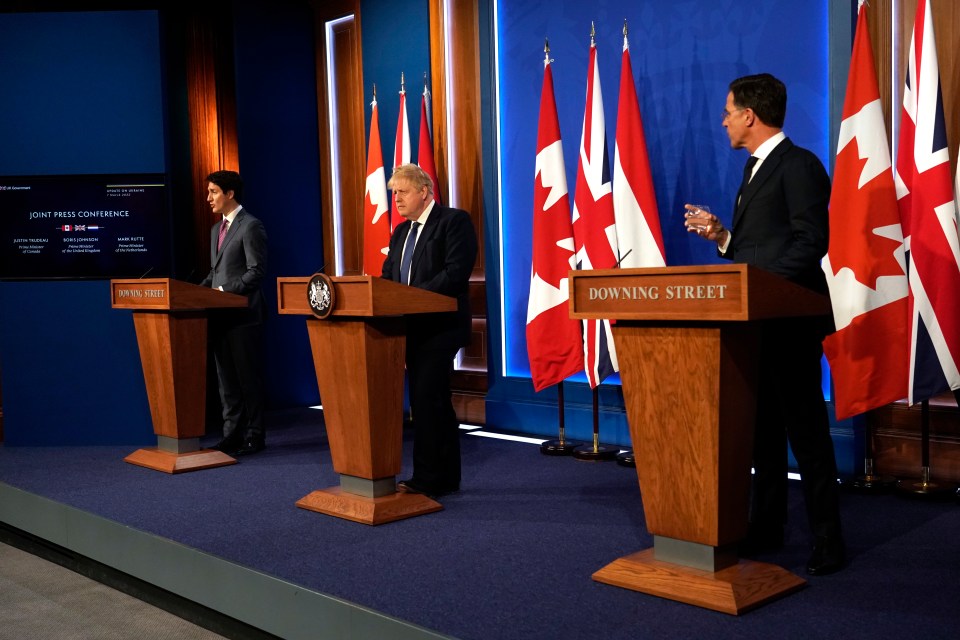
359	354
687	343
170	317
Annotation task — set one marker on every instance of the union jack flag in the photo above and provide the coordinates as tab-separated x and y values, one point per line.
928	214
594	226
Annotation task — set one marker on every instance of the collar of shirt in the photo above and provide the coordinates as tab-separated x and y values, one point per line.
230	217
765	148
426	214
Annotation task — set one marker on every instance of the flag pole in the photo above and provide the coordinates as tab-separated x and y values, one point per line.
625	458
561	446
595	452
870	482
924	487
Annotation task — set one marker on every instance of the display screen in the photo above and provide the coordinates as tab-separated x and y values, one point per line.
84	226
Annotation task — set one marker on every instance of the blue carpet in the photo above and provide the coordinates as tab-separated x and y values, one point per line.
510	557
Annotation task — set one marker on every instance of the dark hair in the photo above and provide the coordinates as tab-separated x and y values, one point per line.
228	181
764	95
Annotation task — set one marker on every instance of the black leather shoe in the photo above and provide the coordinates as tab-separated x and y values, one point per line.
761	539
412	486
827	557
228	445
251	445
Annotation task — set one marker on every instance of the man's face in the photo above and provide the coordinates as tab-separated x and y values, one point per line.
735	122
220	202
409	201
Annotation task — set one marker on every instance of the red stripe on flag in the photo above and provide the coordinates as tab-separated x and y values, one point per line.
639	238
425	146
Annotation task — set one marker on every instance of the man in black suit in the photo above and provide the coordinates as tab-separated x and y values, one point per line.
433	249
238	255
780	224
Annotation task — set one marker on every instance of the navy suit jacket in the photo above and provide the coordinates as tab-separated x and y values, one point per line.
240	263
781	223
442	262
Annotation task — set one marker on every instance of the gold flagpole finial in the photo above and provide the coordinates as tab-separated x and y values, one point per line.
593	33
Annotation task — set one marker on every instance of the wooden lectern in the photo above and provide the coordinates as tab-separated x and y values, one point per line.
170	317
687	343
359	355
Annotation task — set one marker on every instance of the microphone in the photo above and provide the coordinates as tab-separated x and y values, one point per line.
622	258
145	273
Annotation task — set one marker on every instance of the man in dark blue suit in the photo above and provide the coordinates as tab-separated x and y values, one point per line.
238	257
780	224
434	249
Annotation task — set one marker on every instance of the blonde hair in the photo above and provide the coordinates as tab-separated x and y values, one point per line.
414	175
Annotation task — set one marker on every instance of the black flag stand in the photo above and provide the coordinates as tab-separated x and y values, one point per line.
561	446
595	452
923	487
870	482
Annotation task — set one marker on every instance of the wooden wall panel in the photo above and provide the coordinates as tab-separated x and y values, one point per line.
458	149
891	29
347	185
212	104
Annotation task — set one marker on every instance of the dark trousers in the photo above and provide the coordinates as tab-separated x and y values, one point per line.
436	439
237	351
791	408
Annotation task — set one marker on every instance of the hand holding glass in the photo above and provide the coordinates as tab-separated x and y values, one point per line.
697	217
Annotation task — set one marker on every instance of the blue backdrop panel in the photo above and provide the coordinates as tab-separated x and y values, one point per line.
396	39
71	368
684	54
280	165
82	93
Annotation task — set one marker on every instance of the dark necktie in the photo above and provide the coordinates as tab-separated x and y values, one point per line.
408	253
747	174
223	232
748	171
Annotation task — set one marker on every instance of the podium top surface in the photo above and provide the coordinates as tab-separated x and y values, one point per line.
363	297
719	293
167	294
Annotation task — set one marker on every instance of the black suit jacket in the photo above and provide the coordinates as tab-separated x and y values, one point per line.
781	223
240	263
442	262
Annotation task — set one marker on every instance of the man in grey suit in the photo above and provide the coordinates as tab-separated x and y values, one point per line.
433	249
780	224
238	256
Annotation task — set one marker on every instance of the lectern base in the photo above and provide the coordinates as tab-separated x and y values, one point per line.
168	462
734	590
337	502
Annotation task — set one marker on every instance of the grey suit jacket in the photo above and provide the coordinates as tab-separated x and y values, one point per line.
240	263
